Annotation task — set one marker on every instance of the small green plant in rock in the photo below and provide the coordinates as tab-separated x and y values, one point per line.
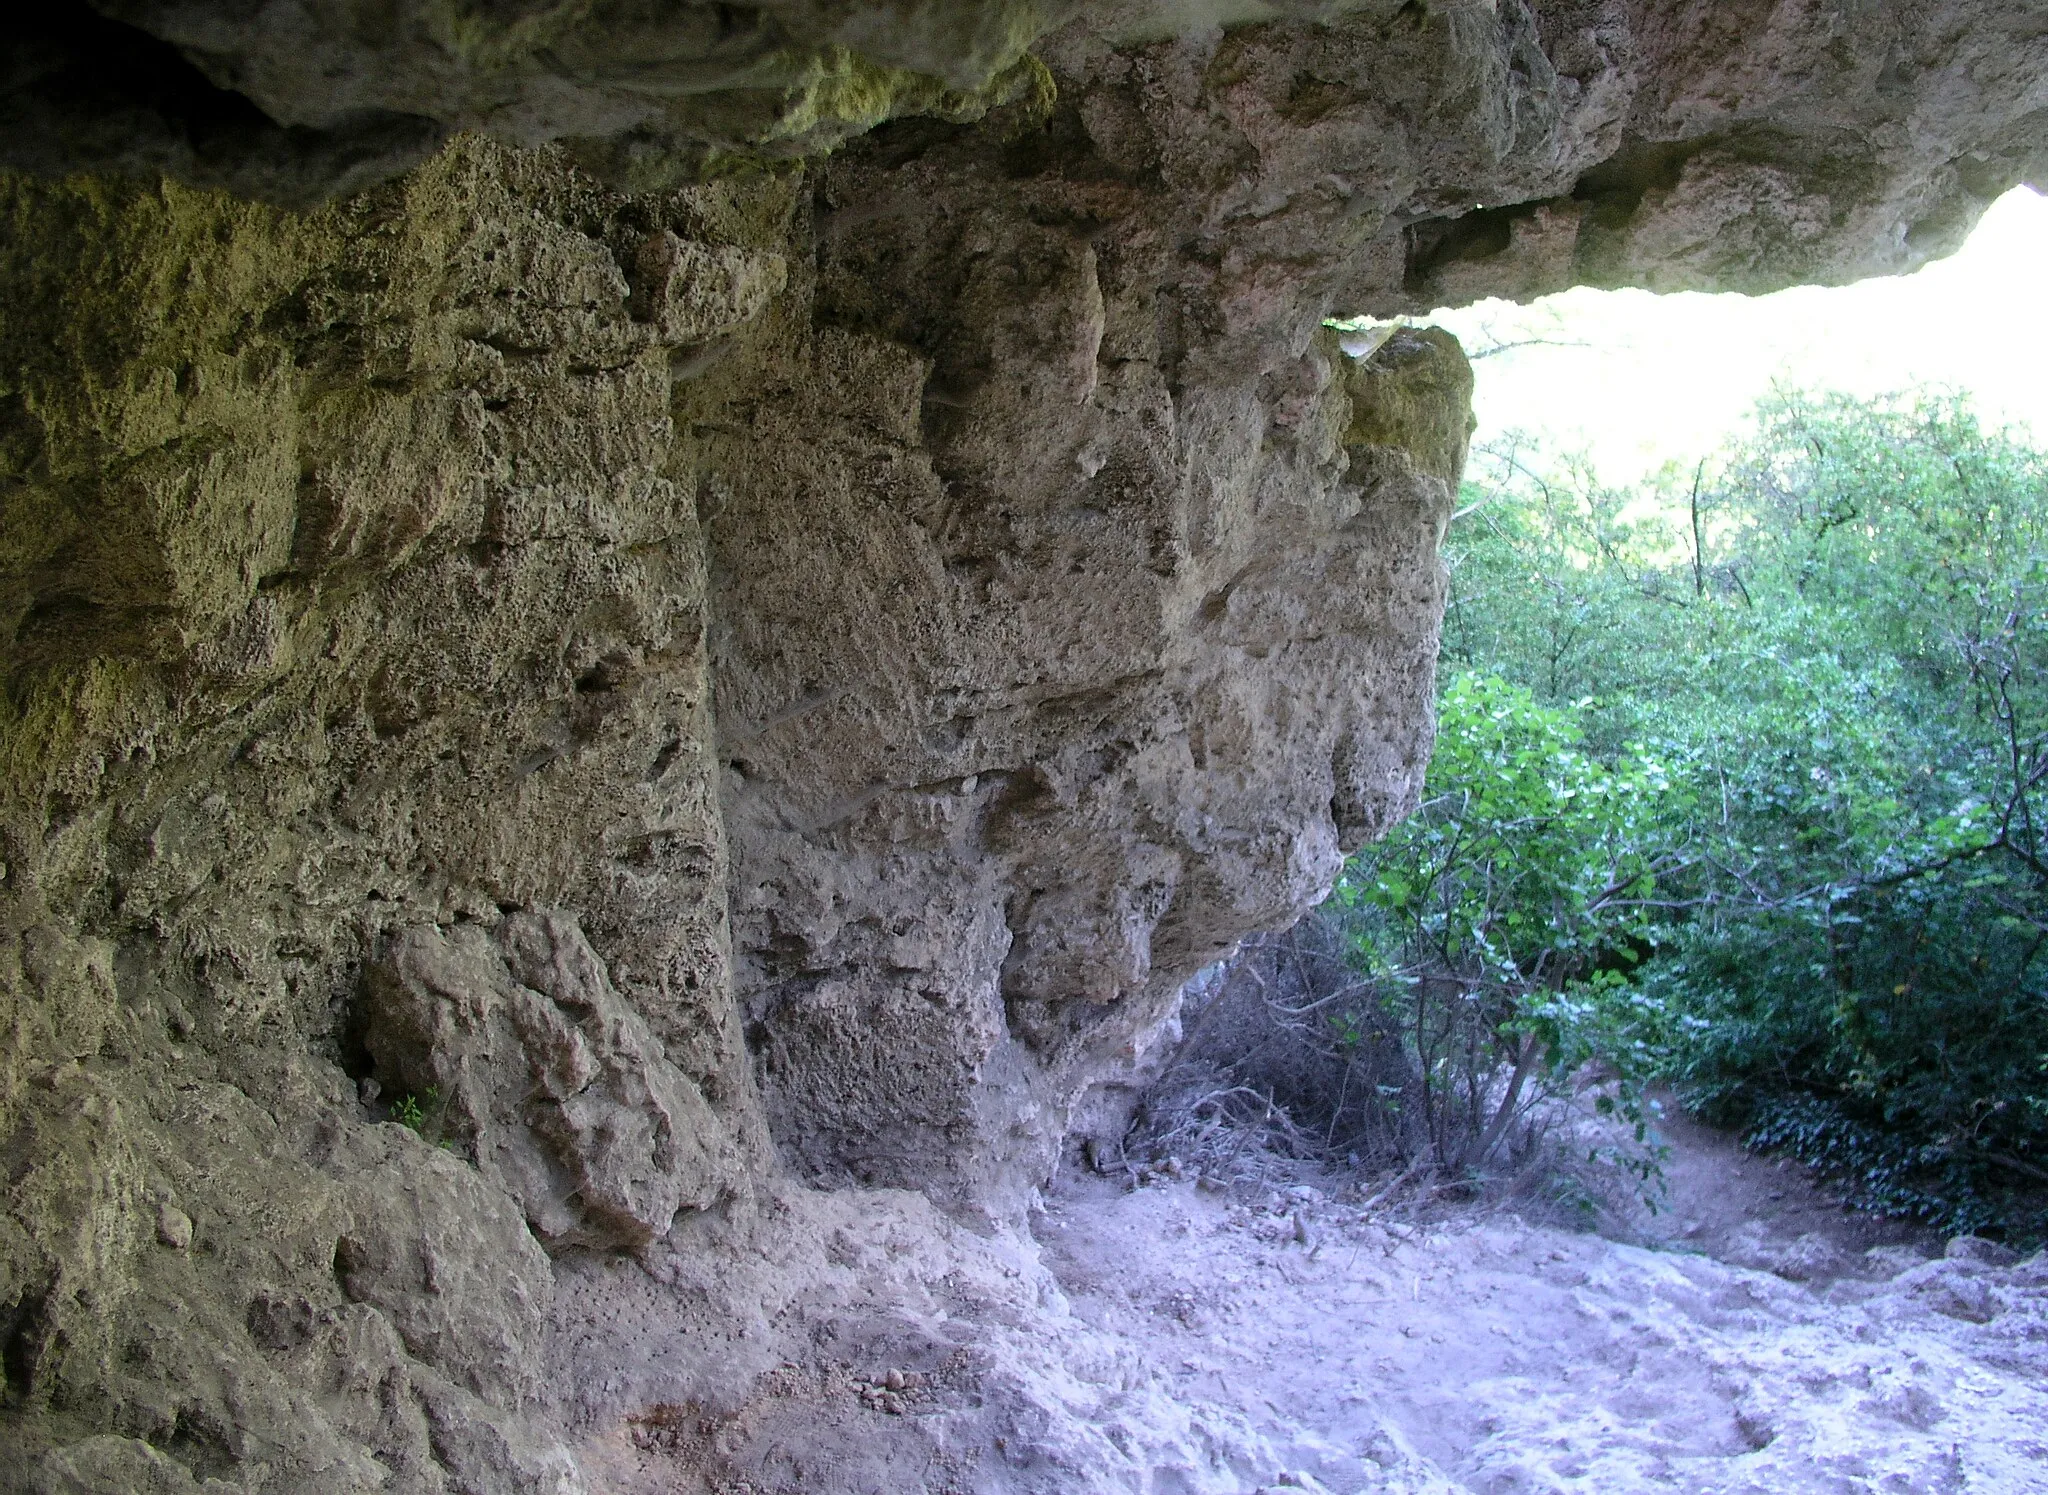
422	1115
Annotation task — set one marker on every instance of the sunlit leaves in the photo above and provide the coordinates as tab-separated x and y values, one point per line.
1502	918
1741	775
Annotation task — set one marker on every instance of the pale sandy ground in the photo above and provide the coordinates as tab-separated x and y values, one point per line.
1481	1353
1169	1341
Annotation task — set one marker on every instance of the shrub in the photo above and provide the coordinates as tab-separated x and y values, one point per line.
1818	686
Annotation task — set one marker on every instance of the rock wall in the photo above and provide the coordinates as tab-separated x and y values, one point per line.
547	716
354	616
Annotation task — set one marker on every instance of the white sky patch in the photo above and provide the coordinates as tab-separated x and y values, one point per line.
1670	378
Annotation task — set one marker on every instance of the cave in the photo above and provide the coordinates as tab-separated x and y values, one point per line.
647	641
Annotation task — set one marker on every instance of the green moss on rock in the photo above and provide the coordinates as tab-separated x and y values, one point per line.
1414	393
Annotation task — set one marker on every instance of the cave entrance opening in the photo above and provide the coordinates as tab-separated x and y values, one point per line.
1743	692
1635	381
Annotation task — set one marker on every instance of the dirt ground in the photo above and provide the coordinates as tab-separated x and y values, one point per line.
1748	1337
1753	1337
1762	1212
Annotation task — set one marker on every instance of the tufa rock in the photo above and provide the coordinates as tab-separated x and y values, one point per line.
703	667
541	1074
173	1227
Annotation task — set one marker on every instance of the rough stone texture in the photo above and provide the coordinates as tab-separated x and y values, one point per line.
1073	749
294	100
534	1068
1066	599
351	609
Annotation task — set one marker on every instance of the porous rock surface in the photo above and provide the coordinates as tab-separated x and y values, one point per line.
547	717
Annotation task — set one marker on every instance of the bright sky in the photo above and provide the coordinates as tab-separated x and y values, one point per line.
1668	378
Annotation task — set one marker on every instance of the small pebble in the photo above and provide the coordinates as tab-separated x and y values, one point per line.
893	1380
174	1227
892	1404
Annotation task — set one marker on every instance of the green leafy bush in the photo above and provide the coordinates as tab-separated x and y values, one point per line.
1739	786
1499	924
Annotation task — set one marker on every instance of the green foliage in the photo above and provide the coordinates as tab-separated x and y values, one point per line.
1530	859
1738	786
425	1115
1499	923
408	1112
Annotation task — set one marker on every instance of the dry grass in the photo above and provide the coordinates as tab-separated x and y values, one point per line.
1289	1072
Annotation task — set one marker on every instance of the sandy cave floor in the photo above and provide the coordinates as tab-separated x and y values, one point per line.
1167	1340
1763	1339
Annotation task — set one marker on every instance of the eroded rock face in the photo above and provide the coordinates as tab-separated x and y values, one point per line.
1002	772
353	615
533	1067
672	692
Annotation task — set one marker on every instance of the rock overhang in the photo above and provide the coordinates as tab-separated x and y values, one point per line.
880	618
